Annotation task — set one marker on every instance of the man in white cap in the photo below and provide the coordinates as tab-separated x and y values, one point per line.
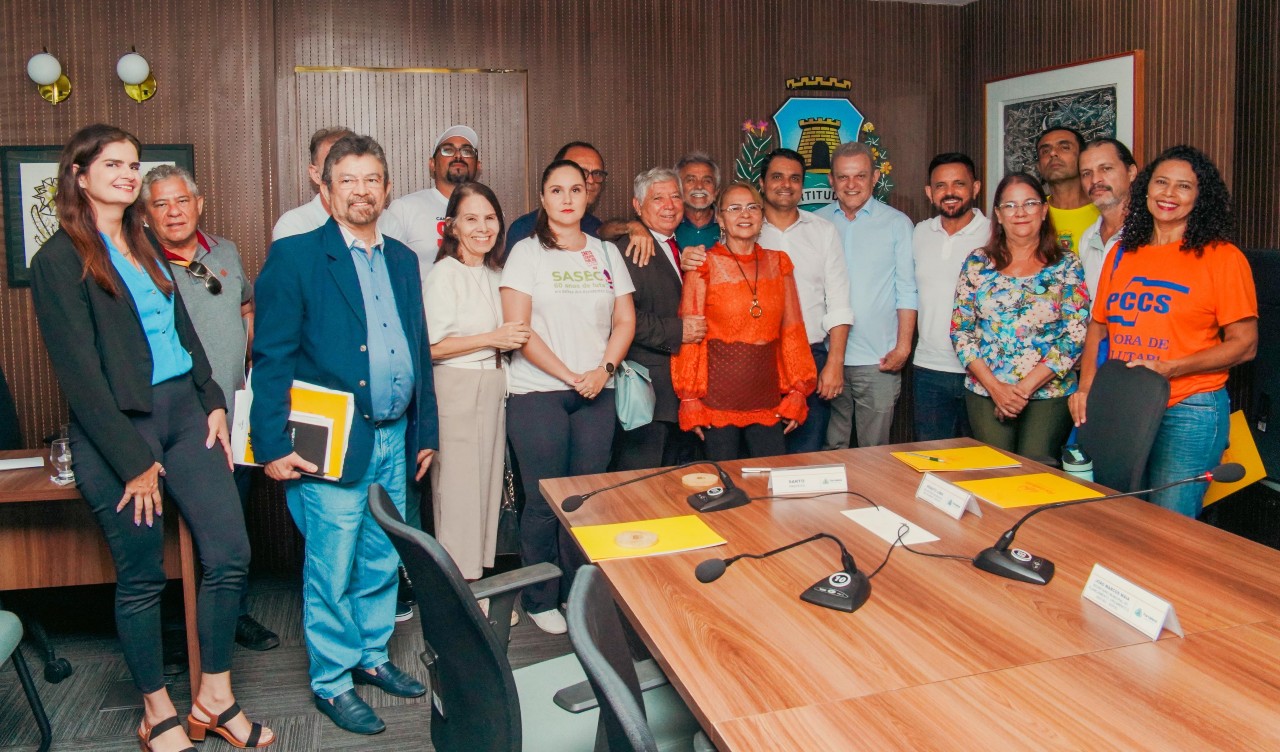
417	220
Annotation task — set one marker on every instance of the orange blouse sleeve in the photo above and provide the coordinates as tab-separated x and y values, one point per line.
797	371
689	365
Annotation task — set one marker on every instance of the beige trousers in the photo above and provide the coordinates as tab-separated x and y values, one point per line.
466	474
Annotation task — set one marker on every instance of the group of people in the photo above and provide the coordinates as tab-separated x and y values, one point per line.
472	345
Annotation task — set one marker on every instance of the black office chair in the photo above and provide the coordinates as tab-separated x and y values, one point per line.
1123	415
628	722
11	645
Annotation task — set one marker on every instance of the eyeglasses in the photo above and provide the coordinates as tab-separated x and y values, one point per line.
201	272
596	175
467	152
1011	207
743	209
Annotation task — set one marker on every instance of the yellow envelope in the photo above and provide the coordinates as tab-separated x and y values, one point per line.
1029	490
964	458
1242	449
667	535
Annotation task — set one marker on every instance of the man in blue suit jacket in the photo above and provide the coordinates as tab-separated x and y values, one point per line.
341	307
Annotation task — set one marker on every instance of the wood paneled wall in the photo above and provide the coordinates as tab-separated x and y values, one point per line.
1190	48
646	80
1257	167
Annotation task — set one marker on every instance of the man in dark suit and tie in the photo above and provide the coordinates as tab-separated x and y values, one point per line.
659	329
341	307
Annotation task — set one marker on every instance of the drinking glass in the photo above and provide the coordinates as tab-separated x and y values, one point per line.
60	456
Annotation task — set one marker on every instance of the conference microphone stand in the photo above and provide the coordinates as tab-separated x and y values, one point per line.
1017	564
845	590
715	499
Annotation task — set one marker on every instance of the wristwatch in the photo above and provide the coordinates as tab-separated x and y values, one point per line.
608	367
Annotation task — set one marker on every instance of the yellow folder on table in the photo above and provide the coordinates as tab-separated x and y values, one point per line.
666	535
964	458
1028	490
1242	449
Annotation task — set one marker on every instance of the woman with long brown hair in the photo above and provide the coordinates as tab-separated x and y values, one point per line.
145	412
1018	325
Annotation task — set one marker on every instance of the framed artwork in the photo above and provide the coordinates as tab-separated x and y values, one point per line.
1099	98
29	176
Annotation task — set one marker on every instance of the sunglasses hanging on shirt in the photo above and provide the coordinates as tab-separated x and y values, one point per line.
202	273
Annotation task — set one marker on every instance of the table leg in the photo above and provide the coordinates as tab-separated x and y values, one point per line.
187	563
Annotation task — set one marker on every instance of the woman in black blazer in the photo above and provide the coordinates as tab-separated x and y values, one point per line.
143	407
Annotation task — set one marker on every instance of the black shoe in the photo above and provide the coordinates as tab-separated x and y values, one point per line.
391	680
174	650
350	713
405	592
252	635
404	611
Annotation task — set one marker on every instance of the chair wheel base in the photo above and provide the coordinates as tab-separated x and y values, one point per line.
57	669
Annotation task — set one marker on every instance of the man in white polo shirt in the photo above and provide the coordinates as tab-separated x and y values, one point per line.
1107	167
940	246
315	212
417	220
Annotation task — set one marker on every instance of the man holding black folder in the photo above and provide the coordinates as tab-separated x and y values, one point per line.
341	307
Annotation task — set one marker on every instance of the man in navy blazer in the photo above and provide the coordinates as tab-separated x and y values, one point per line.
341	307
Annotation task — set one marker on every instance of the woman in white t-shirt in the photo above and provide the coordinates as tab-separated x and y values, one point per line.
468	345
575	292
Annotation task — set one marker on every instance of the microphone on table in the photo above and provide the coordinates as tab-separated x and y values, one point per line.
844	590
1017	564
714	499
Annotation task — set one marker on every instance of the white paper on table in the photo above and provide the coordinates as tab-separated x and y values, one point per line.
886	524
20	463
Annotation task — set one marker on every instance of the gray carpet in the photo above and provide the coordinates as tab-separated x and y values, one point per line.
271	685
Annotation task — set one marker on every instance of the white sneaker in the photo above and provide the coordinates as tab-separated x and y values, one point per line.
551	622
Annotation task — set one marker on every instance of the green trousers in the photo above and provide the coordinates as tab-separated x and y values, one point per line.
1038	432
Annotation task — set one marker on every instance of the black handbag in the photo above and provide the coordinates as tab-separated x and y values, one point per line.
509	512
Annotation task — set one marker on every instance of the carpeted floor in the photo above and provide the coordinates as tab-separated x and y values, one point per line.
271	685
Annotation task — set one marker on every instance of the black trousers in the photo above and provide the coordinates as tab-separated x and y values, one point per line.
555	435
656	444
199	484
762	441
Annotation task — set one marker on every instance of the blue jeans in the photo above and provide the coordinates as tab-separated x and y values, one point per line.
939	408
1192	437
349	573
809	435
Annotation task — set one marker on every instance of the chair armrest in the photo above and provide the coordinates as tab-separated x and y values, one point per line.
514	580
577	698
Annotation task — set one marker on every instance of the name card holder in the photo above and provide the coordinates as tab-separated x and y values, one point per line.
785	481
946	497
1136	607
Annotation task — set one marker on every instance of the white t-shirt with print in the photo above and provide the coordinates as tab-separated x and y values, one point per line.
573	294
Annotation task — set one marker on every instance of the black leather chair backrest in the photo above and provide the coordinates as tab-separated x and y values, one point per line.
475	707
598	639
10	432
1123	415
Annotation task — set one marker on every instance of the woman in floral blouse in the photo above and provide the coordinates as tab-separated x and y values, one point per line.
1019	324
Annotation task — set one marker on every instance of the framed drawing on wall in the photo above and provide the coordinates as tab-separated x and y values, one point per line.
1100	98
29	176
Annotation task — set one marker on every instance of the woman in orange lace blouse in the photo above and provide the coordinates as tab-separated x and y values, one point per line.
747	380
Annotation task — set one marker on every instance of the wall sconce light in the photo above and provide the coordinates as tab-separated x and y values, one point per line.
134	70
45	70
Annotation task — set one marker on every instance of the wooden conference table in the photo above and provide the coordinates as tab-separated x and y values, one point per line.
49	538
944	653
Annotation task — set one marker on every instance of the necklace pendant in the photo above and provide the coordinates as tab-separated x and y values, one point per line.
756	310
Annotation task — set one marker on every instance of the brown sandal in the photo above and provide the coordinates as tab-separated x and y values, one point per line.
145	735
218	725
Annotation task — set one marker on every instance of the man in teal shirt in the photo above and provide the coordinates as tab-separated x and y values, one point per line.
699	187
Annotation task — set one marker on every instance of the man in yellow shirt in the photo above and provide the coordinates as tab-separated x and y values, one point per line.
1058	161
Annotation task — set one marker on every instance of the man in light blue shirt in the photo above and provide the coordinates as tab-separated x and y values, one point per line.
882	291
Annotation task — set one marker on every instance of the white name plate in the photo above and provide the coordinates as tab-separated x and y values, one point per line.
784	481
889	525
947	498
1134	606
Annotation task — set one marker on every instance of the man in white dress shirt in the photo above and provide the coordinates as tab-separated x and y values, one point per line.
417	220
315	212
940	246
1107	167
822	279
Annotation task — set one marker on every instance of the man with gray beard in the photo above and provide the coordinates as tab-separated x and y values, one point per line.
699	187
